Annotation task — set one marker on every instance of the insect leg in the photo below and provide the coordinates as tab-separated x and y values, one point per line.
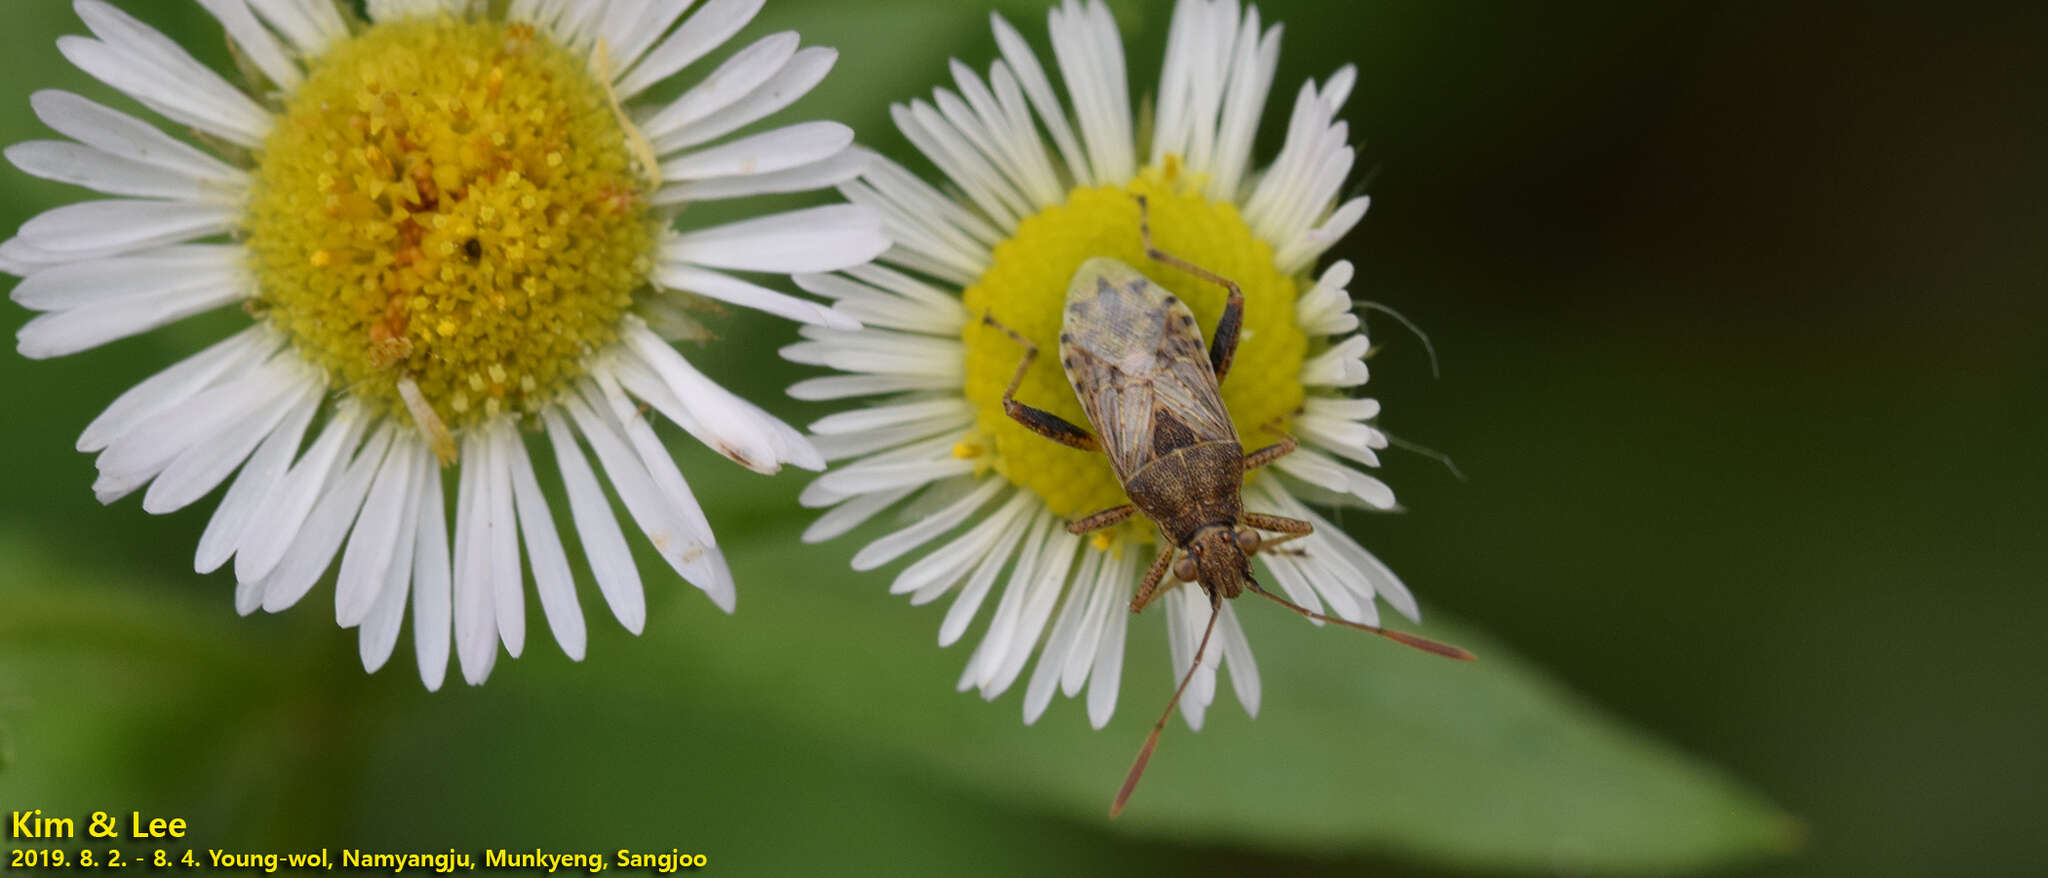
1222	345
1114	515
1039	421
1279	523
1270	453
1266	547
1148	589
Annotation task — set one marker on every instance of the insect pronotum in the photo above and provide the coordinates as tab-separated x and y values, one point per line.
1134	355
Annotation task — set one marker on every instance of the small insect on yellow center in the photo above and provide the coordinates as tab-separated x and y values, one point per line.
455	203
1025	288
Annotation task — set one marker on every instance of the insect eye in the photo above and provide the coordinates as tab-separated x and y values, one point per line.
1184	570
1248	541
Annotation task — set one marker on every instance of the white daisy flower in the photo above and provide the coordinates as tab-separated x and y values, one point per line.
1015	218
450	227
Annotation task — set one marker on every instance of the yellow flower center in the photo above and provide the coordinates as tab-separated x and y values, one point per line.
1025	287
452	202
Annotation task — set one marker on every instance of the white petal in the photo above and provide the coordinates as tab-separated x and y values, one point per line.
1052	658
102	280
971	596
843	386
507	576
155	71
258	478
1038	88
379	634
476	629
725	288
430	582
120	134
814	239
366	564
256	41
829	171
683	541
204	465
312	548
769	151
802	73
59	333
80	165
611	562
1014	634
175	385
700	406
121	225
712	24
551	577
1237	659
154	444
740	74
276	522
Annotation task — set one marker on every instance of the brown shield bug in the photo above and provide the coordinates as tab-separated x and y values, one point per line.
1134	355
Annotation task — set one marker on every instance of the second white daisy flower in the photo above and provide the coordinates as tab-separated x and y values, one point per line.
1035	187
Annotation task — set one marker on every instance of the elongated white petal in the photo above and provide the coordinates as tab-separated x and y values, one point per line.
431	596
551	577
802	73
198	469
58	333
177	384
727	288
814	239
378	636
746	69
252	486
709	27
81	165
830	171
121	225
120	134
769	151
257	43
476	627
611	562
507	577
366	563
327	524
276	522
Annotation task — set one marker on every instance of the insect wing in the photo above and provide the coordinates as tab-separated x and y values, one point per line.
1136	360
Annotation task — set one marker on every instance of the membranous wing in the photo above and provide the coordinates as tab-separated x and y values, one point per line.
1135	357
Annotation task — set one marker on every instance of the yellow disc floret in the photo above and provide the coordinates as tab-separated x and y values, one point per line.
1025	287
454	203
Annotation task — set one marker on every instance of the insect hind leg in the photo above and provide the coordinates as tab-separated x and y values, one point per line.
1223	344
1038	420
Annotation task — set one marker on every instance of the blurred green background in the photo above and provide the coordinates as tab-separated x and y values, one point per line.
1740	310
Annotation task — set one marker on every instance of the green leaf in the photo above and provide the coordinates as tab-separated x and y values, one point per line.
1360	746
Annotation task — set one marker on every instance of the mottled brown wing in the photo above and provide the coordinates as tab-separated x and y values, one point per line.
1135	357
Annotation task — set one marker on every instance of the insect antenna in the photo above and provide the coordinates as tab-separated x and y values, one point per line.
1427	347
1145	753
1402	637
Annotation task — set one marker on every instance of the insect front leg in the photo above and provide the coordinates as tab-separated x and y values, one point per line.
1279	524
1223	344
1148	589
1112	516
1270	453
1037	420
